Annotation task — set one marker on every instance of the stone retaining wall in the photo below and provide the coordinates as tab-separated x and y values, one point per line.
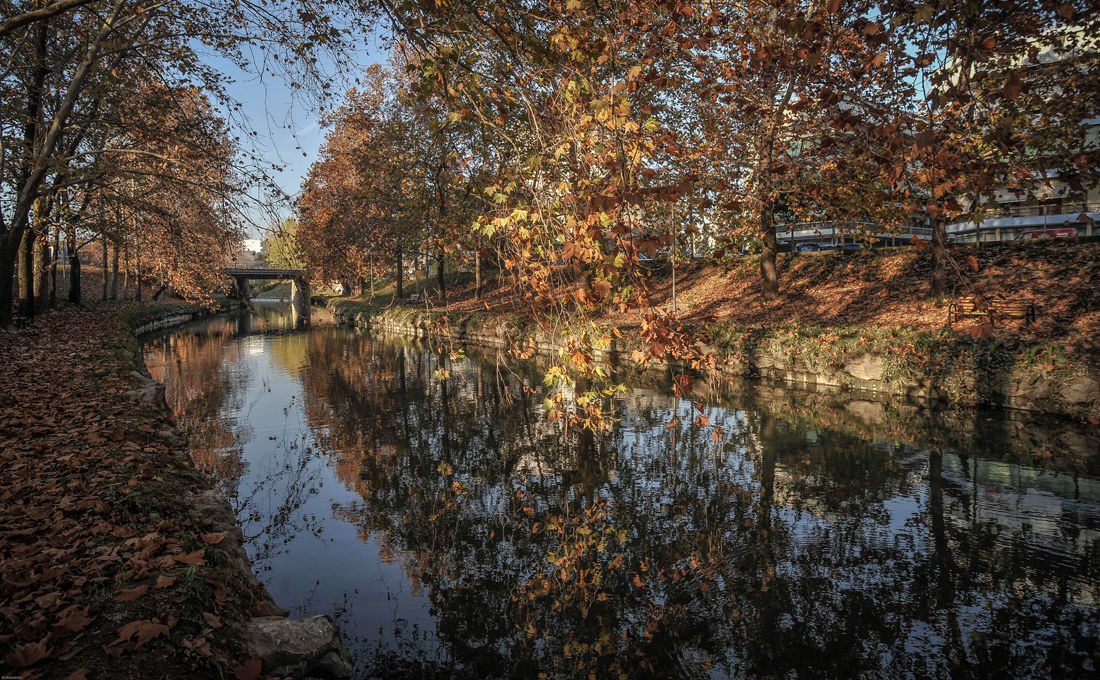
988	377
173	316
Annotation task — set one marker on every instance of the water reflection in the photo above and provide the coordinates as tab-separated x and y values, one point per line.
457	533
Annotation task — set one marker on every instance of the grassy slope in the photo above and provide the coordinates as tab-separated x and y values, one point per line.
870	289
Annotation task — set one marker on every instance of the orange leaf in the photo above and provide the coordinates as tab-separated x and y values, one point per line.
1012	87
132	594
982	331
213	539
214	621
75	618
144	630
27	654
164	581
194	558
249	670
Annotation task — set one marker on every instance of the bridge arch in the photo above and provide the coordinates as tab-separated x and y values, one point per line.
299	286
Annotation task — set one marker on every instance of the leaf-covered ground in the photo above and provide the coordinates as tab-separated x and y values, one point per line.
104	570
879	288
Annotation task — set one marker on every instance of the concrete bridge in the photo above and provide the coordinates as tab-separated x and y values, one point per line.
299	286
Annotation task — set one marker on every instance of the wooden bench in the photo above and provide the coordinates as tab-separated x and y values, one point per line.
18	320
994	309
415	297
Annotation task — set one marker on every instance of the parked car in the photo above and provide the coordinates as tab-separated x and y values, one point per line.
1051	232
847	246
808	247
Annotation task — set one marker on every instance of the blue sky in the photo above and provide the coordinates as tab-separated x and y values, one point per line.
288	132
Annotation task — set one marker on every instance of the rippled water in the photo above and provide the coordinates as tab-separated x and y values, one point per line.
454	532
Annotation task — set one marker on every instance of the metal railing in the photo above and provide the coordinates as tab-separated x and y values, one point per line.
1040	210
846	228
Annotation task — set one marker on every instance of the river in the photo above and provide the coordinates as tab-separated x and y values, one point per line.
455	532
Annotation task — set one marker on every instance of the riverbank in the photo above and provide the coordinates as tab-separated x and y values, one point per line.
119	559
887	339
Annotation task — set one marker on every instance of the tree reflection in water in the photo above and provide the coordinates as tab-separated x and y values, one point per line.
801	544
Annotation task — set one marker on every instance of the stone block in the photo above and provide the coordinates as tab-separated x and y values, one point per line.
866	367
308	648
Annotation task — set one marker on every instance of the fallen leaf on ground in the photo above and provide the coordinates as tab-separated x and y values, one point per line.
144	630
27	654
214	538
132	594
75	618
249	670
194	558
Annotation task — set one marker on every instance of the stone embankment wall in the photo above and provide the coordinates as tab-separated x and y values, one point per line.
929	369
145	320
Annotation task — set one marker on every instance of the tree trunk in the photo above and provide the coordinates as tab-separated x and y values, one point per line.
74	266
125	273
39	234
41	272
939	256
7	265
439	275
477	273
53	266
400	283
26	274
105	267
769	275
137	274
114	274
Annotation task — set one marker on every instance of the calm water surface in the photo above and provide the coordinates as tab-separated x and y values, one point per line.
454	532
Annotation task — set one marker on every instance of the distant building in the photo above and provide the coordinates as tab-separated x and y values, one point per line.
1053	207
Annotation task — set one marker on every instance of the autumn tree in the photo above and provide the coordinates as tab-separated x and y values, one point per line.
1007	98
69	59
796	106
280	246
342	222
170	188
387	183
